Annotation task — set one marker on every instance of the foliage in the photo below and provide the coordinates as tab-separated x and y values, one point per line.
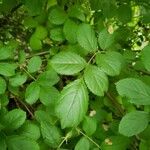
74	74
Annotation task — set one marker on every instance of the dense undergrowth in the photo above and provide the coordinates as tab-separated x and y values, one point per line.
74	74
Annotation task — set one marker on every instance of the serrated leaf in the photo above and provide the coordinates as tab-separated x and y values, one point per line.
51	134
18	80
70	31
86	37
32	93
111	62
135	90
57	34
67	63
76	11
105	39
48	95
74	98
34	64
3	145
57	16
16	142
29	130
145	57
48	78
7	69
133	123
2	85
96	80
14	119
6	52
89	125
83	142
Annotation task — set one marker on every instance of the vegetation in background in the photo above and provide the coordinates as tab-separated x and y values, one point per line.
74	74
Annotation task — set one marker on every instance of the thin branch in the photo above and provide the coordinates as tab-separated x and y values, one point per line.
115	103
79	131
39	54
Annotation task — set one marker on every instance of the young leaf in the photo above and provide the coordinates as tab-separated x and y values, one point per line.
57	34
7	69
83	142
32	93
35	43
133	123
18	80
111	62
86	37
70	31
2	85
51	134
135	90
145	57
14	119
67	63
16	142
57	16
105	39
40	32
89	125
74	98
96	80
34	64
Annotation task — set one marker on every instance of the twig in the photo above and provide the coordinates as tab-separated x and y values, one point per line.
115	103
79	131
38	54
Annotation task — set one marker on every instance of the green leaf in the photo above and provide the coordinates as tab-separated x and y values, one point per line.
74	98
83	142
57	16
18	80
70	31
34	7
14	119
57	34
48	95
133	123
29	130
6	52
34	64
2	85
124	13
7	69
32	93
145	57
67	63
3	145
40	32
48	78
135	90
111	62
105	39
89	125
51	134
86	37
16	142
115	143
96	80
76	11
35	43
